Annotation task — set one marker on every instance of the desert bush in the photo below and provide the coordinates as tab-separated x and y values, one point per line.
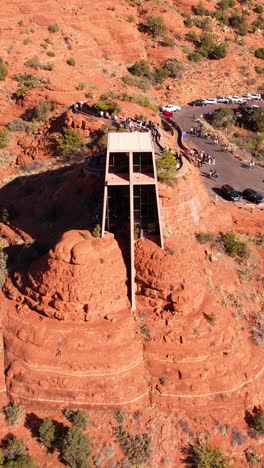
137	448
96	232
235	247
75	450
253	459
200	10
257	330
195	56
130	18
141	68
50	53
77	418
3	70
258	421
259	9
221	118
211	318
175	68
53	28
3	267
193	37
141	83
80	86
14	447
225	4
203	237
253	121
20	125
34	62
144	101
13	412
4	138
220	16
48	433
20	93
162	380
166	166
71	61
155	26
119	416
217	52
107	105
238	22
259	53
22	461
167	41
161	74
28	80
204	456
43	110
69	143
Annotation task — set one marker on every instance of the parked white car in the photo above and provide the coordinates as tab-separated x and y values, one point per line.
223	99
254	96
171	108
235	99
210	101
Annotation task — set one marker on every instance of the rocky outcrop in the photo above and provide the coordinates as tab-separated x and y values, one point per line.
68	333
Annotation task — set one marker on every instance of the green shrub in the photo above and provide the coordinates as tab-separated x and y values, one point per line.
69	143
23	461
155	26
225	4
211	318
80	86
203	237
141	83
217	52
258	422
34	62
43	110
53	28
14	448
166	166
259	53
235	247
28	80
71	62
193	37
4	138
20	125
167	41
20	93
144	101
136	448
107	105
141	68
79	418
195	56
48	433
13	412
220	16
161	74
259	70
96	231
221	118
175	68
76	448
3	267
253	121
259	9
130	18
50	53
204	456
3	70
238	22
200	10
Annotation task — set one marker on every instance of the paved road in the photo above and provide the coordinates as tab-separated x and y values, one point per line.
230	170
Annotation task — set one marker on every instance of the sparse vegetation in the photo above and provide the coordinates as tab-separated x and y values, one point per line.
222	118
69	143
3	267
141	83
96	231
257	329
166	167
77	418
43	110
141	68
258	421
48	433
155	26
211	318
37	65
53	28
203	237
76	448
162	380
4	138
204	456
137	448
13	412
107	105
14	448
80	86
144	101
28	80
234	247
3	70
71	61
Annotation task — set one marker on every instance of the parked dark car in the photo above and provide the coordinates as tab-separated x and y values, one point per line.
252	196
230	193
199	102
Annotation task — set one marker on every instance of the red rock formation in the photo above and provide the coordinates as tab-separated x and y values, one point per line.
90	356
